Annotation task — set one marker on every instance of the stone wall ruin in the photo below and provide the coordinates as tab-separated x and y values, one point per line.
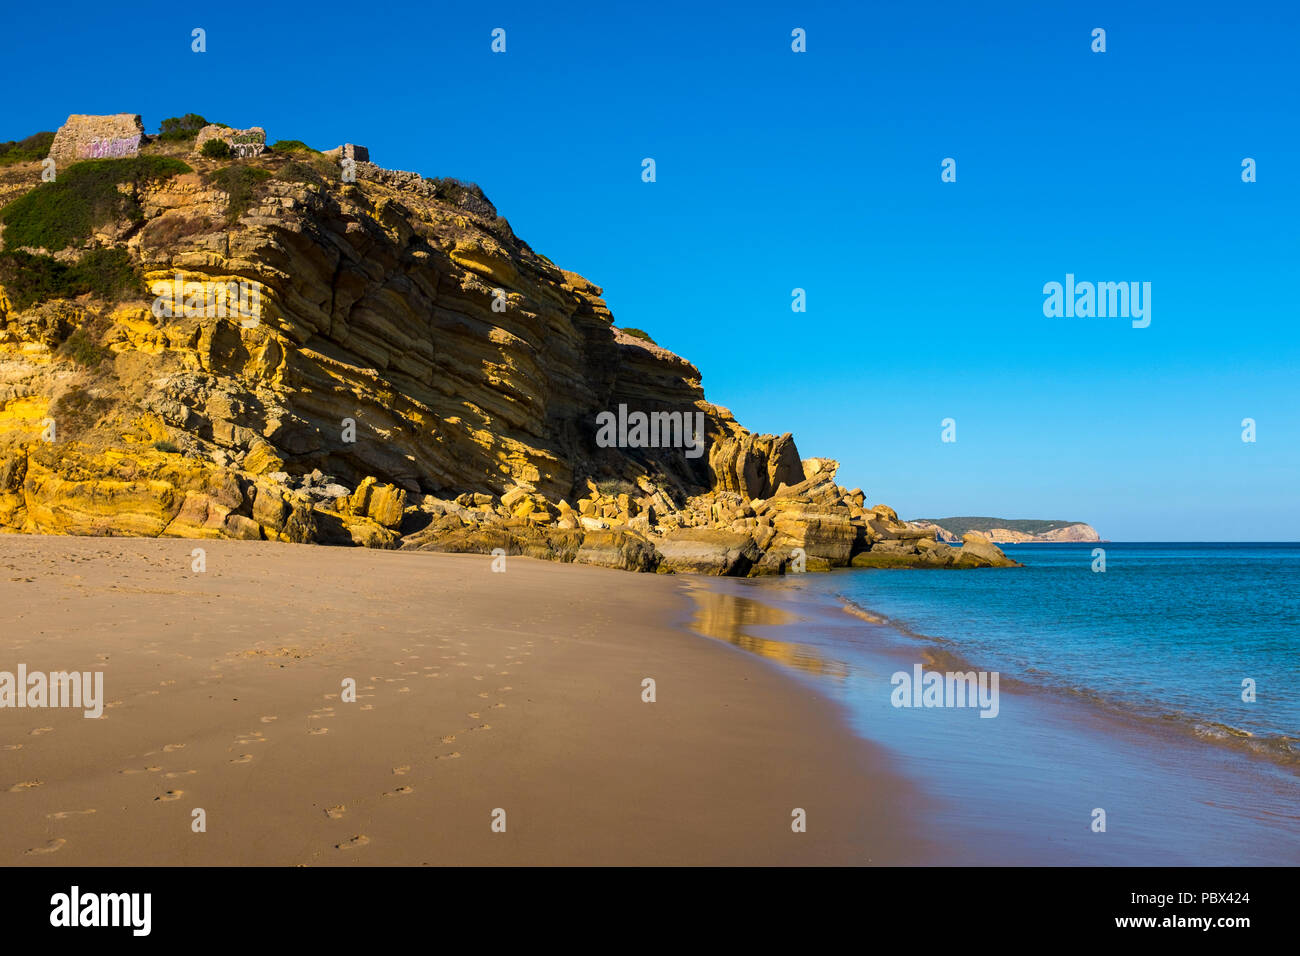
85	137
242	142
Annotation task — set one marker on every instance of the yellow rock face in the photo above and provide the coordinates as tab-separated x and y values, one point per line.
348	356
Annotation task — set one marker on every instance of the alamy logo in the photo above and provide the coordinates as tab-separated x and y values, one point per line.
655	430
951	689
84	690
1102	300
197	300
134	910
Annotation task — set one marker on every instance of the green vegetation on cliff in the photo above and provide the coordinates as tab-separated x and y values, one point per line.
239	183
64	213
960	526
180	128
292	146
29	150
29	279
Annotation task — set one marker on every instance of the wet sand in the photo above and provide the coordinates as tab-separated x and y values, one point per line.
477	692
1022	789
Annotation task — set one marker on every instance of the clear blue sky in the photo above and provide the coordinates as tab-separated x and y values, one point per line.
821	170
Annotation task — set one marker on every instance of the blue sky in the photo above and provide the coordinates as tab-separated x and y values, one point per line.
821	171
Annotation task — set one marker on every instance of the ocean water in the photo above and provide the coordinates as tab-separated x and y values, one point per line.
1167	631
1120	691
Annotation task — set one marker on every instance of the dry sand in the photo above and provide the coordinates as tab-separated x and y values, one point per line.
477	691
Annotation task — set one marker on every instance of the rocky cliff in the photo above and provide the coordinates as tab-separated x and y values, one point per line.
257	347
1009	531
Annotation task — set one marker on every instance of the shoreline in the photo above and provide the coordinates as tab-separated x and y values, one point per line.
475	692
944	653
1018	790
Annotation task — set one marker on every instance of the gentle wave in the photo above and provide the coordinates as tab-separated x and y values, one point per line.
944	654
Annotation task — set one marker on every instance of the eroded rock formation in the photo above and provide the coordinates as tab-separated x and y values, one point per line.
384	363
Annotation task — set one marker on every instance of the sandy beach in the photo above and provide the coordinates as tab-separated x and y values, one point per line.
476	692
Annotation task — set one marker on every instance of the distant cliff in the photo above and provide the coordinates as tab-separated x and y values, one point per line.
206	335
1009	530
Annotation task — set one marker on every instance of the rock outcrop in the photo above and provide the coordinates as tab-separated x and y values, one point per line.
1027	532
414	376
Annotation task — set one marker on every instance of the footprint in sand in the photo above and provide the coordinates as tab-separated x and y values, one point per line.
497	706
243	758
478	676
179	773
64	814
52	847
484	694
41	730
267	720
403	770
318	731
404	690
472	715
451	756
170	747
169	796
367	706
12	747
25	785
449	738
507	687
400	791
336	812
357	841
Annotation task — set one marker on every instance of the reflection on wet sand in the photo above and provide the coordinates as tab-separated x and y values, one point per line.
726	616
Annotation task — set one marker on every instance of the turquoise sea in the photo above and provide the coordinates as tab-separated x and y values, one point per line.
1120	691
1167	631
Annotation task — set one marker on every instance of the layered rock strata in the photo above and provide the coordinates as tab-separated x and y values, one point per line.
414	376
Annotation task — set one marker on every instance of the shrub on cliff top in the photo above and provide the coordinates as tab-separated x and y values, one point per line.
217	149
29	279
291	146
181	127
56	215
638	334
34	147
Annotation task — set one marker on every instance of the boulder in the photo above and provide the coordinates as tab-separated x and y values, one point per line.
753	466
979	552
826	535
706	551
617	549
